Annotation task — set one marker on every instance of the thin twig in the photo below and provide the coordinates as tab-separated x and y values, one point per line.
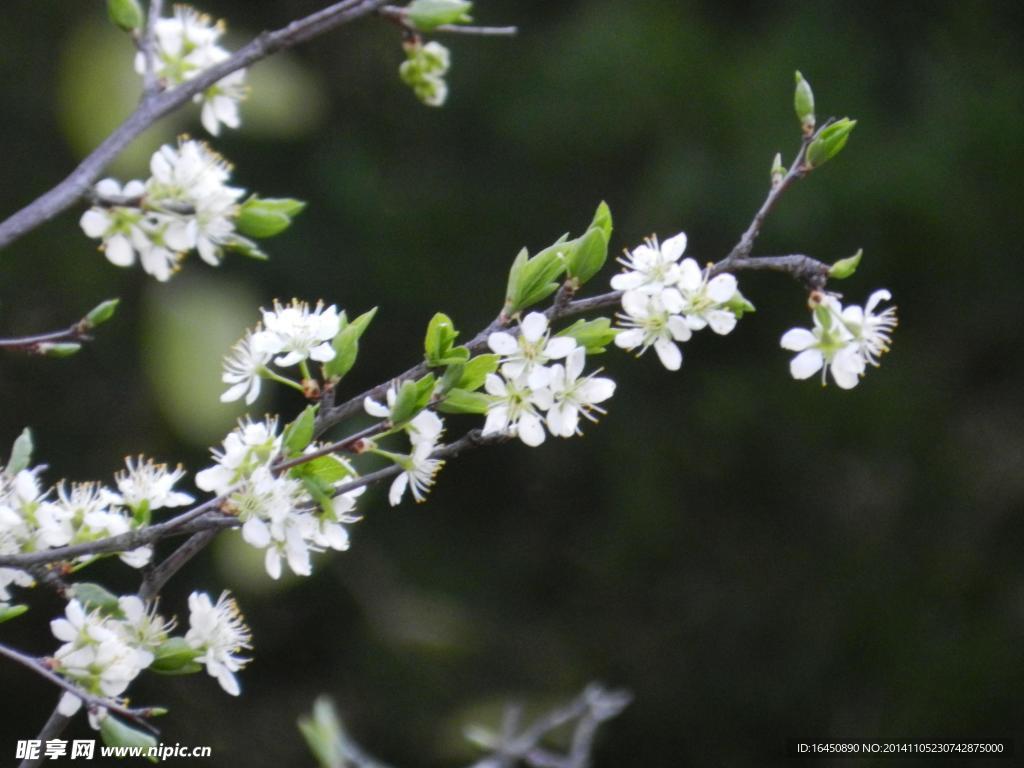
71	189
161	574
150	81
91	701
398	15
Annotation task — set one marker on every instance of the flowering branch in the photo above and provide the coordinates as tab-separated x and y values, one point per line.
66	341
92	702
157	104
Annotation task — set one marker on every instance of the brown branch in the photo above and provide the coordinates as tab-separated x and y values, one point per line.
159	104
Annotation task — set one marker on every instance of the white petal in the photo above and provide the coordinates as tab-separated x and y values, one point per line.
108	188
690	278
627	281
497	420
531	431
575	363
880	295
119	251
672	300
235	393
533	327
635	304
322	352
179	236
227	681
539	377
562	420
559	347
669	354
272	561
398	489
503	343
375	409
722	288
94	223
256	533
679	329
69	704
797	339
629	339
495	385
806	364
721	321
597	390
674	247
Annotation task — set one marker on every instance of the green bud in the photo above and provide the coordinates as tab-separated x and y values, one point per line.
589	255
346	345
595	335
21	452
8	612
58	349
405	403
175	656
441	334
101	313
326	470
803	103
451	378
93	596
299	433
266	217
425	15
324	734
844	268
463	401
829	142
778	170
739	305
118	734
127	14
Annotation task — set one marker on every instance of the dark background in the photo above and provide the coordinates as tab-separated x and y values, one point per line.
755	558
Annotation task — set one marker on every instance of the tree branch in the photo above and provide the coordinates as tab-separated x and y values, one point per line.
159	104
91	701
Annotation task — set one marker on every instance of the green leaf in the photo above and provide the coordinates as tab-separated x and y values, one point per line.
803	103
101	313
346	345
299	433
118	734
533	280
266	217
127	14
464	401
829	142
426	15
589	255
246	247
405	402
328	470
8	612
175	656
844	268
21	452
93	596
474	373
603	220
595	335
321	493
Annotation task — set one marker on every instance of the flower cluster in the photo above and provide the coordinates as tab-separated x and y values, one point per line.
294	332
424	69
665	300
186	44
186	204
277	512
106	646
530	383
843	341
32	519
103	652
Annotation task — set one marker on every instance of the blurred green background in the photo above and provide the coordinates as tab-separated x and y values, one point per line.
755	558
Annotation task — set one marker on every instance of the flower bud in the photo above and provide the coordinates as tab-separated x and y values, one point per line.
425	15
829	142
844	268
127	14
803	103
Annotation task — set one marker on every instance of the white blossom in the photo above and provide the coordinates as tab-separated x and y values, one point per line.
872	331
298	332
573	396
219	631
186	44
251	445
244	368
515	409
704	298
524	356
418	468
652	268
150	485
649	322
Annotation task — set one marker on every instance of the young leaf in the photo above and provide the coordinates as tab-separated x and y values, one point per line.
118	734
266	217
463	401
8	612
21	452
299	433
441	334
589	255
603	220
126	14
175	656
425	15
101	313
94	596
829	142
803	103
346	346
595	335
844	268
